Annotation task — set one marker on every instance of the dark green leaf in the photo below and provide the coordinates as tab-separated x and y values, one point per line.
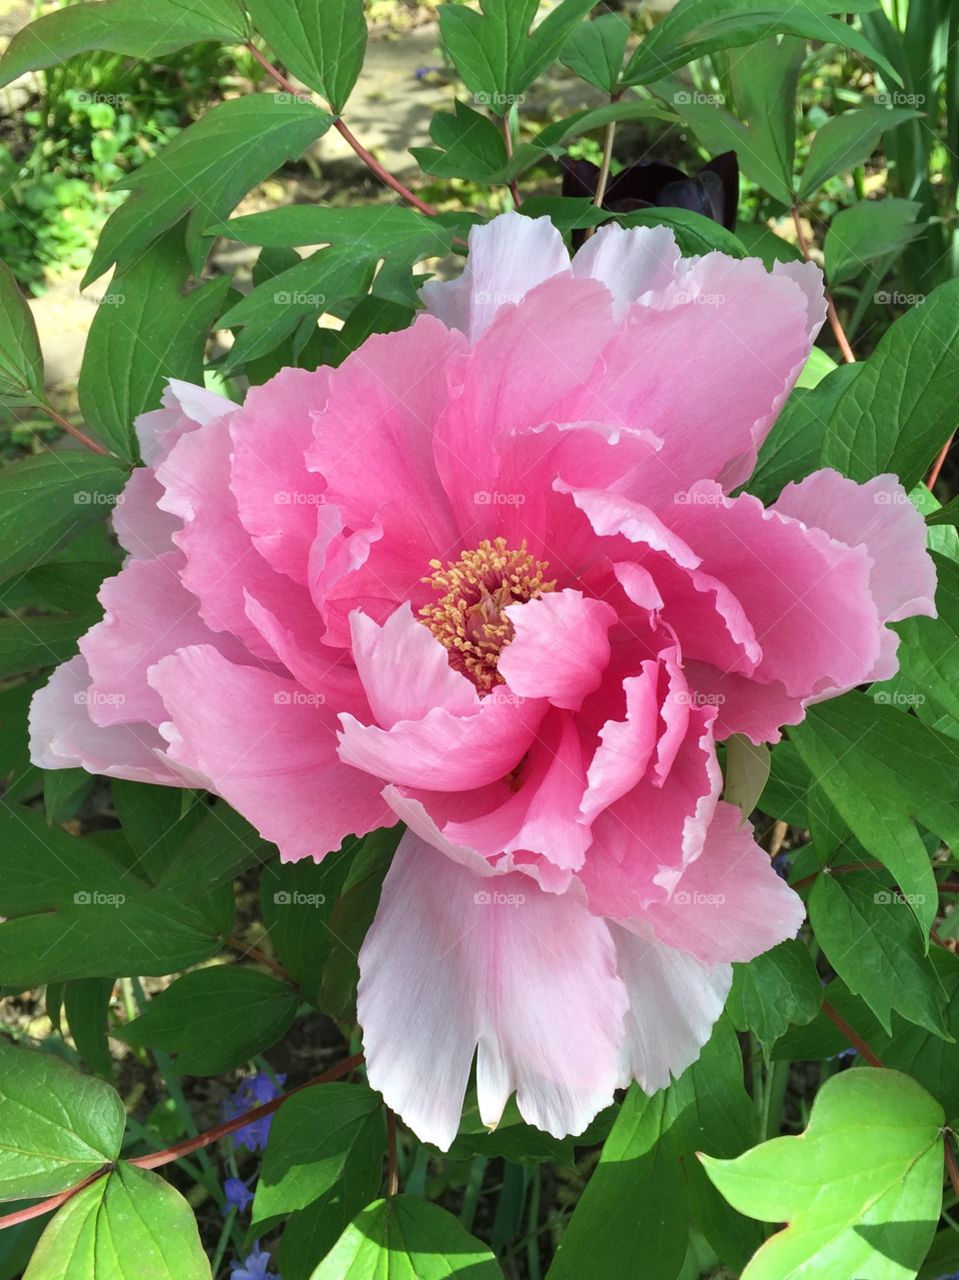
695	234
326	1141
28	643
86	1002
204	172
48	499
881	769
321	41
151	332
215	1019
779	987
595	51
901	406
120	26
869	230
847	140
72	587
870	937
21	363
155	821
296	900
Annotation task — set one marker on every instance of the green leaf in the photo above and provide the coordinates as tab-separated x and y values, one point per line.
127	1225
567	213
64	790
794	445
594	51
633	1218
695	234
881	769
58	1126
762	242
488	49
322	42
847	140
215	1019
47	500
818	364
901	407
871	939
547	42
153	331
156	821
327	1142
468	145
205	171
350	919
296	900
371	231
778	988
222	846
86	1002
72	587
75	911
555	135
29	643
512	1139
120	26
929	651
861	1189
695	28
21	362
867	231
407	1238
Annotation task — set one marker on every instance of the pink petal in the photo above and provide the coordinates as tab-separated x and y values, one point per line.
626	746
611	515
530	361
185	407
62	735
268	747
629	261
141	527
744	706
276	497
879	517
751	332
446	752
147	614
806	595
405	670
729	904
221	563
508	257
452	964
674	999
560	647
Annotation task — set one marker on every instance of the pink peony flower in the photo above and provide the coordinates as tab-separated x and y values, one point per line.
487	578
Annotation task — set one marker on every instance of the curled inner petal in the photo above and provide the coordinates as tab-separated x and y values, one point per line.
469	617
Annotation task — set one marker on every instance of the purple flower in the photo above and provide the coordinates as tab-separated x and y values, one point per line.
238	1194
252	1093
255	1266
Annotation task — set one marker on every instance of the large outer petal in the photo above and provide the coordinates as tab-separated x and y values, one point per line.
147	613
508	257
806	595
629	261
276	496
674	999
878	516
452	963
268	747
705	364
729	904
63	736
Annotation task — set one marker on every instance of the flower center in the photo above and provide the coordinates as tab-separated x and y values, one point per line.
473	591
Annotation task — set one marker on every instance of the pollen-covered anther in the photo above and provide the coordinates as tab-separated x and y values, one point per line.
468	617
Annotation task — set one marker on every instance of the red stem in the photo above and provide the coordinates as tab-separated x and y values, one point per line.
87	441
937	465
158	1158
951	1167
508	139
369	160
853	1037
838	332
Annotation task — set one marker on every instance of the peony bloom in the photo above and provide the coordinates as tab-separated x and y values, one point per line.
487	578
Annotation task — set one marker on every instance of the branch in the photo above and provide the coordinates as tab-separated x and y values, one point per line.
951	1167
937	465
87	441
853	1037
508	140
260	957
369	160
158	1158
838	331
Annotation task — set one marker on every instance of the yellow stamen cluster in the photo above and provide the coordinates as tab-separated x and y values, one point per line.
474	590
